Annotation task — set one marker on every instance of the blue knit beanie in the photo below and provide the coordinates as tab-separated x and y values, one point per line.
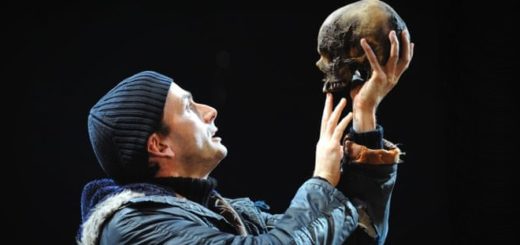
120	123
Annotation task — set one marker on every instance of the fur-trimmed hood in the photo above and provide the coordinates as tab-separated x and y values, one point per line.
102	198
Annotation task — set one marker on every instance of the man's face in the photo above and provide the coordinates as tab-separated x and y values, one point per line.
192	130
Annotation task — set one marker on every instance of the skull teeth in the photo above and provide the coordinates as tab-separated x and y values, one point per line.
333	86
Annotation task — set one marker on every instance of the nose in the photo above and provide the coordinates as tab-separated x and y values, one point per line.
321	64
209	113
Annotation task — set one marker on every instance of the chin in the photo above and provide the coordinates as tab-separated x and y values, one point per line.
223	151
218	151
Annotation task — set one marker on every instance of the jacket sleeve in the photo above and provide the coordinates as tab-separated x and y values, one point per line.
318	214
370	186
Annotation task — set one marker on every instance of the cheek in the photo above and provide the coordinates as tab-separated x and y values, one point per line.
199	140
191	131
196	134
183	133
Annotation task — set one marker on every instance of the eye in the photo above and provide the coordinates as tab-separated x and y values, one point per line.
190	106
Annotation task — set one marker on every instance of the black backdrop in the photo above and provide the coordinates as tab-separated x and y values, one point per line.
255	63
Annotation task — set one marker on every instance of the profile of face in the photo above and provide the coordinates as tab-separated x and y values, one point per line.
192	131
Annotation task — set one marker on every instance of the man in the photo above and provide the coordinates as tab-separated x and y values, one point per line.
159	146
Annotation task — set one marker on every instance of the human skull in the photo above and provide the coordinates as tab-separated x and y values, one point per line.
342	59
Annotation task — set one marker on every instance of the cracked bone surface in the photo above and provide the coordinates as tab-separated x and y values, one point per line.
342	59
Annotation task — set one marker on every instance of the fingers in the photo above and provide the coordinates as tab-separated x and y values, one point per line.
338	132
329	120
326	113
394	50
334	117
406	43
370	55
407	51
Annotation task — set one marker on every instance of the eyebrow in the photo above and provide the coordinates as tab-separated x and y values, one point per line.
187	96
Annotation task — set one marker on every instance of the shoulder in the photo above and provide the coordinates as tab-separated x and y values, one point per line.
151	216
103	211
147	207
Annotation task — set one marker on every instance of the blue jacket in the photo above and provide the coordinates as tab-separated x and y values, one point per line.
318	214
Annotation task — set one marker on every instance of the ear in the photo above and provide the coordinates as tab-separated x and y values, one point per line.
158	146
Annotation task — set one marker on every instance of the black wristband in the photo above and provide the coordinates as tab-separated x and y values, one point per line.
372	139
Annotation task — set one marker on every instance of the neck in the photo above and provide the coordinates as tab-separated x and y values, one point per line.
196	171
194	189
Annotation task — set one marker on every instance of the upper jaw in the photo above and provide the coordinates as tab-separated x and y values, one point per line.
335	86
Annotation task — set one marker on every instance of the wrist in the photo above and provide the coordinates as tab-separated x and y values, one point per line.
327	177
364	121
364	116
321	178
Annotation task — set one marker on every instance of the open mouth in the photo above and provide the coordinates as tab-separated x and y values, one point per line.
213	135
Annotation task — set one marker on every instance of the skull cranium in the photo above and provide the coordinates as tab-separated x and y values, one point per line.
342	59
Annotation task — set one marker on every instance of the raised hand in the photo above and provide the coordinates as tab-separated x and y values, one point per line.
329	150
367	97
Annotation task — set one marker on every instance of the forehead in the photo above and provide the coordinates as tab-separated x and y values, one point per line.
177	93
175	100
176	97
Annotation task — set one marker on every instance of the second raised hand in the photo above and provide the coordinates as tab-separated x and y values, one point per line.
329	150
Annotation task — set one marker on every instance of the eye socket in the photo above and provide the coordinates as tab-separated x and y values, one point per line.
190	106
340	66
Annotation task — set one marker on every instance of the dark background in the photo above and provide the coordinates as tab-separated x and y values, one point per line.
254	62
